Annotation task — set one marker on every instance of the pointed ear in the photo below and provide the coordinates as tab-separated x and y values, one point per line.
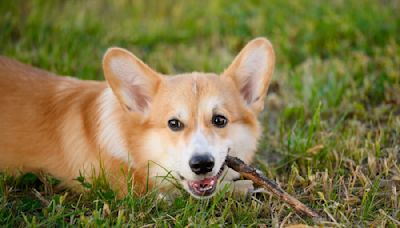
133	82
251	71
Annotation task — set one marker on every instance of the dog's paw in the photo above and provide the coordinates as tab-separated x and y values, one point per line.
239	187
243	187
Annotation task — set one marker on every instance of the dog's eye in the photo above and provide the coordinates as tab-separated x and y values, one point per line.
175	124
219	121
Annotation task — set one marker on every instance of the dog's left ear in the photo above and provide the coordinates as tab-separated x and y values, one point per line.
251	72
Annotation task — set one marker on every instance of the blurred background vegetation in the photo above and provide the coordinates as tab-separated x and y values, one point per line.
332	125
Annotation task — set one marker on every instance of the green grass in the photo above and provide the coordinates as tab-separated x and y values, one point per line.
332	124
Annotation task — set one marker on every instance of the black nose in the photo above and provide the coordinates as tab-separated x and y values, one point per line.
201	164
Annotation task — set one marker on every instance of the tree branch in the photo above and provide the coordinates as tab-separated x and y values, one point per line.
258	178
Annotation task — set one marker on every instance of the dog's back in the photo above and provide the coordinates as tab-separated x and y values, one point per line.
34	107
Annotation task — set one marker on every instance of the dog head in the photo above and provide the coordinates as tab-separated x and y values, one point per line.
188	123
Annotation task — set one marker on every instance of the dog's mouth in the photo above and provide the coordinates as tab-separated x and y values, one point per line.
207	186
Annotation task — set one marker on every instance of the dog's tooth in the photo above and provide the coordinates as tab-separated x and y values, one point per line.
206	188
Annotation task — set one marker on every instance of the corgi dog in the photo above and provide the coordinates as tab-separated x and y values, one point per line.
138	121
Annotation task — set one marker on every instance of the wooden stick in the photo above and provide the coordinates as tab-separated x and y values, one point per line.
258	178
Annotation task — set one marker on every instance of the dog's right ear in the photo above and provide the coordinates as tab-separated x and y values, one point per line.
132	81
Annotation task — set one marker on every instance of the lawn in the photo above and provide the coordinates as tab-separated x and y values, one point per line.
332	118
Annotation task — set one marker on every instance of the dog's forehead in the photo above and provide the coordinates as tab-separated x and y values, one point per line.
195	82
189	93
196	86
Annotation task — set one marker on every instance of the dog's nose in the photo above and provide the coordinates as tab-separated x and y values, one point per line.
202	164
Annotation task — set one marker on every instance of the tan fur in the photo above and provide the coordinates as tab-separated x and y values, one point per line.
55	124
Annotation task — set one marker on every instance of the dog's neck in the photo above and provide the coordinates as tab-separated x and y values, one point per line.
110	134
